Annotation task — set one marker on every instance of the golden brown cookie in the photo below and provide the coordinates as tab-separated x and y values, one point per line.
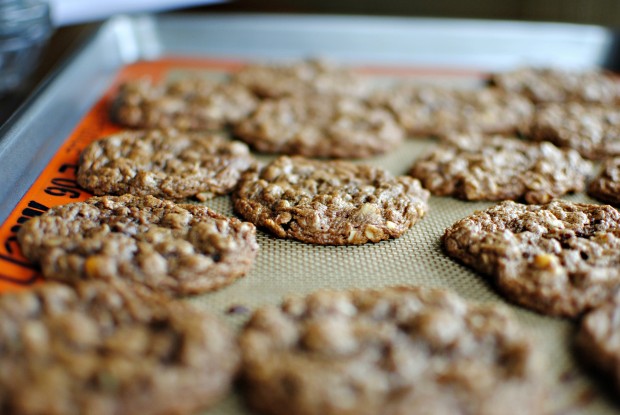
560	85
389	351
163	163
104	349
175	249
424	110
329	202
474	167
277	80
597	340
560	259
606	186
186	104
592	130
317	125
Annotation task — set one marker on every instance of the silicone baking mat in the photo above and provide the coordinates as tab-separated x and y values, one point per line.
284	267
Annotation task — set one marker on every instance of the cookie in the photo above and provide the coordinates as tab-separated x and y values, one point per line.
277	80
559	85
592	130
320	126
329	202
474	167
174	249
187	104
606	186
163	163
597	340
386	351
431	110
106	350
559	259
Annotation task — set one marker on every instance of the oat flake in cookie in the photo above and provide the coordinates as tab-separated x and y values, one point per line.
597	339
329	202
559	259
424	110
592	130
163	163
103	349
186	104
474	167
392	351
174	249
557	85
278	80
318	125
606	186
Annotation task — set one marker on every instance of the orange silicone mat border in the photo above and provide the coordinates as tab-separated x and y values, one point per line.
56	185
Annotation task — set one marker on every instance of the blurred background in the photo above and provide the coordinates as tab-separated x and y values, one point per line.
599	12
72	22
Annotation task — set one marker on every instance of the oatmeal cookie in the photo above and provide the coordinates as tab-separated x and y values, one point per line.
606	186
163	163
592	130
101	349
474	167
386	351
559	259
187	104
329	202
559	85
597	339
277	80
320	126
431	110
175	249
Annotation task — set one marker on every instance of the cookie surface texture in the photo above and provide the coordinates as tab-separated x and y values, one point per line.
277	80
557	85
597	340
592	130
473	167
424	110
559	259
175	249
186	104
329	202
606	186
104	350
163	163
320	126
387	351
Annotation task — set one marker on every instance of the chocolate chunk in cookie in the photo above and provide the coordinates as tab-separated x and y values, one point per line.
329	202
163	163
431	110
474	167
320	126
389	351
559	259
592	130
606	186
175	249
277	80
187	104
99	348
560	85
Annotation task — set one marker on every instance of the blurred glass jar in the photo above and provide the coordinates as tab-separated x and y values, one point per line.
25	27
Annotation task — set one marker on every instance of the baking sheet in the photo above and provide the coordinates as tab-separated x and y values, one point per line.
446	51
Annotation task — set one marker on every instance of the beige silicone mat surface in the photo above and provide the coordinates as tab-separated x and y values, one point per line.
285	267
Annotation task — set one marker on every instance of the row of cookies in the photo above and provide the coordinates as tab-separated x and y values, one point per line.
105	349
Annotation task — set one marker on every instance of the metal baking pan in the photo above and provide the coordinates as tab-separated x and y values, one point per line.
453	50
